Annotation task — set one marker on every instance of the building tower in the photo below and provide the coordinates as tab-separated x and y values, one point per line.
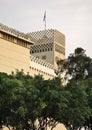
48	45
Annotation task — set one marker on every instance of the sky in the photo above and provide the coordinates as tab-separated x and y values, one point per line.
71	17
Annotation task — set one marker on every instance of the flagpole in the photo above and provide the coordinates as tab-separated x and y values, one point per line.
45	24
44	19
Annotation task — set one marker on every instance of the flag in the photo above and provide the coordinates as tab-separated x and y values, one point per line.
44	18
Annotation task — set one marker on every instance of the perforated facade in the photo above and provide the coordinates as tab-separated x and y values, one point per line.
15	54
49	45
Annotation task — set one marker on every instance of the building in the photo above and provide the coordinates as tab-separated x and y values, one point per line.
15	54
14	50
49	45
34	53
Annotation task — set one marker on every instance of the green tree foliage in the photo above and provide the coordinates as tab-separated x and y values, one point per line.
9	87
78	108
79	65
78	68
25	100
61	67
55	103
88	84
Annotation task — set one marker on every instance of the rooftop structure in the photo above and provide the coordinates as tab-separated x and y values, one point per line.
49	45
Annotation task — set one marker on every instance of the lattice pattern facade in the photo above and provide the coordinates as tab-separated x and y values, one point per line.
48	41
41	48
40	34
59	38
59	49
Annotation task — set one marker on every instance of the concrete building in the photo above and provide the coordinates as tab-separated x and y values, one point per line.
49	45
35	53
15	54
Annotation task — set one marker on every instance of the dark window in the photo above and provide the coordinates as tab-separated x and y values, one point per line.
44	57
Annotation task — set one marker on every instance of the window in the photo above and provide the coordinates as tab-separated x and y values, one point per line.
44	57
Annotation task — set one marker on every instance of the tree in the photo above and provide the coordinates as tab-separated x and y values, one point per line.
88	84
34	102
78	108
9	87
78	68
55	103
3	76
78	65
60	67
46	102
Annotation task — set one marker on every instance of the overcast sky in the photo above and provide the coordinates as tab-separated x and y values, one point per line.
71	17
